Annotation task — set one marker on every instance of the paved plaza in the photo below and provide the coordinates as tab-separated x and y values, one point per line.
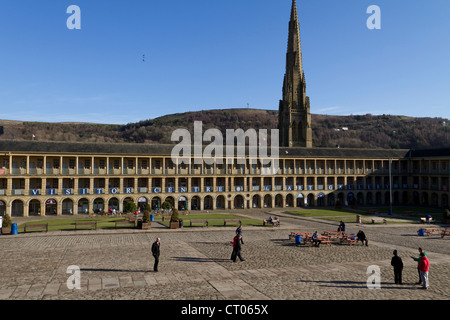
195	264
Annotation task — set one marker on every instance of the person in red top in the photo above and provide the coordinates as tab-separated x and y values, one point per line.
424	265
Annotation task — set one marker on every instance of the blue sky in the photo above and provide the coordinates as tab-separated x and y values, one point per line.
210	54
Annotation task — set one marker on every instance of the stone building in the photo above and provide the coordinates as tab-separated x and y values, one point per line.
50	178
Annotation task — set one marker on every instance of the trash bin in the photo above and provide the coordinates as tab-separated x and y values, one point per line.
421	232
181	223
139	224
14	228
298	239
358	218
152	217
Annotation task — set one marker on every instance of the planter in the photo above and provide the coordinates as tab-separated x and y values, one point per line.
6	230
174	225
146	225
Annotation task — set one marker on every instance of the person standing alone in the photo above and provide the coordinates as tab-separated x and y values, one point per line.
397	263
155	252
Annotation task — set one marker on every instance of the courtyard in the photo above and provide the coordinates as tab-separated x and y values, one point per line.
195	264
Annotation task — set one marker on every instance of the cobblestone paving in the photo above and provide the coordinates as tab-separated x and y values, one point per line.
195	264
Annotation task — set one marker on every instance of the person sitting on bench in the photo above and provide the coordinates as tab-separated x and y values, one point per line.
315	239
270	220
276	221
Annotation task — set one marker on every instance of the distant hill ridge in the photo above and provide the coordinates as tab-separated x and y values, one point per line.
353	131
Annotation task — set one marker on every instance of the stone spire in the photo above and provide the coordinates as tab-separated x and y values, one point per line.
294	44
294	120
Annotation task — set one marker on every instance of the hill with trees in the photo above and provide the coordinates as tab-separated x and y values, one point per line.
353	131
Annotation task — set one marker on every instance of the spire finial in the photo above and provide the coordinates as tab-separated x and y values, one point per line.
294	16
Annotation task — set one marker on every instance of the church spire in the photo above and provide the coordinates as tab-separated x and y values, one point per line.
294	120
294	43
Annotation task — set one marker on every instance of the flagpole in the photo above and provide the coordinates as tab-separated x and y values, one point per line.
390	186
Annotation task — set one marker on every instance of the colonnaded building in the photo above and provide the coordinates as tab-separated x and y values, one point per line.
56	178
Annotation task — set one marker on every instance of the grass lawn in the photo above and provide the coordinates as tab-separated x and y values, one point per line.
69	224
323	213
405	210
214	219
109	222
350	215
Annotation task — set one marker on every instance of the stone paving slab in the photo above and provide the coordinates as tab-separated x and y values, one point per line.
195	265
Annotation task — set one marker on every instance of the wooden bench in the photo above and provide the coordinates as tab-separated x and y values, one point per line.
445	232
274	223
35	226
374	220
231	221
89	225
333	234
431	231
349	239
300	233
325	240
424	220
202	222
128	223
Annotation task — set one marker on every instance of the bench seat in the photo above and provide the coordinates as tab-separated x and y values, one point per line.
35	226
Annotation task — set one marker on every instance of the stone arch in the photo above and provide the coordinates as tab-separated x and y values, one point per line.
67	206
239	202
17	208
256	201
34	207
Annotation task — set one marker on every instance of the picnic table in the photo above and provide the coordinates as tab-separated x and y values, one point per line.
349	239
333	234
445	232
324	240
300	233
328	237
431	231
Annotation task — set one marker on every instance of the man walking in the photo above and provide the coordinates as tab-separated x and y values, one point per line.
155	252
239	232
237	248
397	263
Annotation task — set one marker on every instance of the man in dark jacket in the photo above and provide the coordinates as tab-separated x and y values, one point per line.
155	252
397	263
362	237
236	248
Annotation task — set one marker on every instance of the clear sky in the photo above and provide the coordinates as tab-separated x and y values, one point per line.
211	54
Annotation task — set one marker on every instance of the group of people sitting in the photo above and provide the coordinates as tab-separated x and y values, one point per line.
361	236
274	221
